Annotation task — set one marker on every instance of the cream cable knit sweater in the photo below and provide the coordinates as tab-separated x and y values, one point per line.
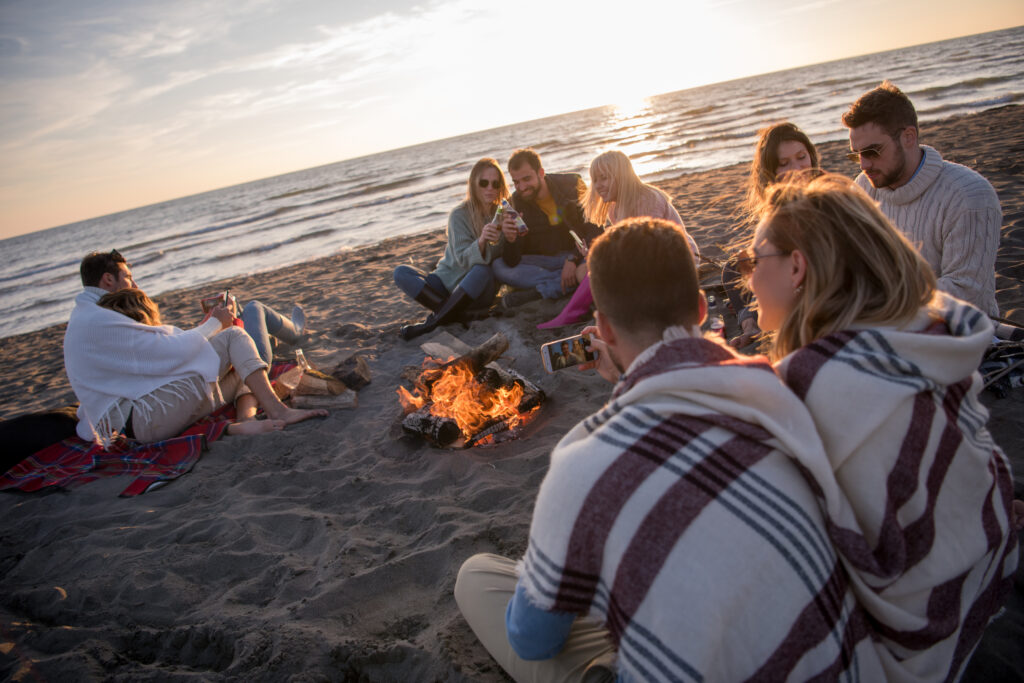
952	215
109	357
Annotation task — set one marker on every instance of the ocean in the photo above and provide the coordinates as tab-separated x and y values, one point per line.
269	223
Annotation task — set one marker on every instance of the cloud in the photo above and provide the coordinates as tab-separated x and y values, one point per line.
812	6
35	108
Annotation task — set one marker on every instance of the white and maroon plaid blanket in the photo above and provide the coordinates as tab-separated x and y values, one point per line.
916	494
676	516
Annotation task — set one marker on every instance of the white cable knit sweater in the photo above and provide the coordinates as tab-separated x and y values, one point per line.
952	215
110	357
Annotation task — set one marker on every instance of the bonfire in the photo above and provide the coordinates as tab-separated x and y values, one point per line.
469	400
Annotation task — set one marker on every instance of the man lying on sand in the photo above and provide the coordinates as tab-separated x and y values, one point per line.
949	212
149	381
544	261
675	515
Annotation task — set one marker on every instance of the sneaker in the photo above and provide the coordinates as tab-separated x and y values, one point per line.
298	319
518	297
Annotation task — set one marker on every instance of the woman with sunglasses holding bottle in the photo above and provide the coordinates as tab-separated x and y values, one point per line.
463	277
781	148
917	495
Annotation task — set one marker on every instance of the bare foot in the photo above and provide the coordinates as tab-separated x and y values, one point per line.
255	426
292	415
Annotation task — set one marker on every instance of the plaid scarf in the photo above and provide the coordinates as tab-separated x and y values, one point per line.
916	494
676	516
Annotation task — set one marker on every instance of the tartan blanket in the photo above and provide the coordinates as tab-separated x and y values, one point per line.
915	492
676	517
73	462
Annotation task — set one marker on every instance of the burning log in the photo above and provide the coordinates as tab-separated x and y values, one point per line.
495	378
468	398
440	431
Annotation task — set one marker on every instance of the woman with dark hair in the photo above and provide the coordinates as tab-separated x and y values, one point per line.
917	495
781	148
463	276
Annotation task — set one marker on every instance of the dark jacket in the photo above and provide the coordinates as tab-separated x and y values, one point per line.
543	238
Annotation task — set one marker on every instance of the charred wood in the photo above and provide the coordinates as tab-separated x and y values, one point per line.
440	431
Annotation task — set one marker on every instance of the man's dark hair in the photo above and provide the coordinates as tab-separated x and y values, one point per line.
96	263
643	276
886	106
524	156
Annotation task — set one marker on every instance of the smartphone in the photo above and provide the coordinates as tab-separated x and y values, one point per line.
579	243
223	299
565	353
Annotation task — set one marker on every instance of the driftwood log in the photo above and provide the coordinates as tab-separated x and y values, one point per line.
475	359
346	399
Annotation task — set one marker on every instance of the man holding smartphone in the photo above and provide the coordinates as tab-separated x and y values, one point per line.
673	532
545	260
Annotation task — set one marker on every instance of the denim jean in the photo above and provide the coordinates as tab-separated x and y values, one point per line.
535	271
263	322
478	283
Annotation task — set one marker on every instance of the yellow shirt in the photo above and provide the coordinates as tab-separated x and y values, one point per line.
549	207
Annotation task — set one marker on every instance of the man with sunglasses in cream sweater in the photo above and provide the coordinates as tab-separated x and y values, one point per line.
948	211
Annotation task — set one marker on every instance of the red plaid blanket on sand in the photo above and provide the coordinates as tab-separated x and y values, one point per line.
73	462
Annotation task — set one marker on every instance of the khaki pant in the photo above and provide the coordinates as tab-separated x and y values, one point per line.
483	590
175	406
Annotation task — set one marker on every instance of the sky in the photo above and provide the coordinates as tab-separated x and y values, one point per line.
108	105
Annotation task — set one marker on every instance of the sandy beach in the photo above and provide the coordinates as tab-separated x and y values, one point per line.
329	551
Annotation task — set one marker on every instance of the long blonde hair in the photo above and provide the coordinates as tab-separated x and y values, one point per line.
630	191
480	214
860	269
133	303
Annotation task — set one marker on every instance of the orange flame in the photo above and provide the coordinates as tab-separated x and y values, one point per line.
454	393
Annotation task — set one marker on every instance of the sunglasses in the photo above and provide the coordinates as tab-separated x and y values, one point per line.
871	152
747	264
484	182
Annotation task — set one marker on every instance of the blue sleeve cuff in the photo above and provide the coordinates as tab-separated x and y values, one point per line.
532	632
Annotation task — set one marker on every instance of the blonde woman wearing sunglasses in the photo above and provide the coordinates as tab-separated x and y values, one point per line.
463	276
917	496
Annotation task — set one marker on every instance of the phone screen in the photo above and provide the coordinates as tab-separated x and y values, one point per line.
566	353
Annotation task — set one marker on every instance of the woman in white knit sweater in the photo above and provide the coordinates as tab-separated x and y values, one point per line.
150	381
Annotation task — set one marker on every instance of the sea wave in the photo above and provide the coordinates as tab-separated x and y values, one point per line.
43	268
295	193
264	248
959	86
